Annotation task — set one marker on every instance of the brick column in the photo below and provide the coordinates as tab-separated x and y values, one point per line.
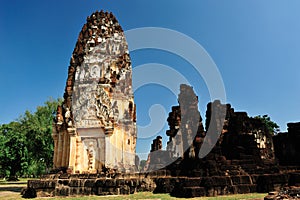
72	148
59	150
55	140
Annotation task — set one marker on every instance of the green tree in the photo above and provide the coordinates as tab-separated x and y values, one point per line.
26	145
38	131
14	152
272	126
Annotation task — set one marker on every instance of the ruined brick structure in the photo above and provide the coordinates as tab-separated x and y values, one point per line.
185	134
186	130
157	144
244	139
242	160
95	135
157	158
287	146
96	125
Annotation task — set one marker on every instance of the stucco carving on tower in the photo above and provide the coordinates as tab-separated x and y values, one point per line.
96	126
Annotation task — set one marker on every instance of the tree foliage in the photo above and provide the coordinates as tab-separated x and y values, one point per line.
14	152
26	145
38	128
272	126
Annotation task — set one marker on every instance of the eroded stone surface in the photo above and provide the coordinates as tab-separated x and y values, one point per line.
186	131
244	144
242	160
95	127
287	148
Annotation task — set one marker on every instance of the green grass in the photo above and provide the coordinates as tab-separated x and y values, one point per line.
142	195
21	181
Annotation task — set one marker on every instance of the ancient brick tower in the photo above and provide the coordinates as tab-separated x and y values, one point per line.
186	129
96	125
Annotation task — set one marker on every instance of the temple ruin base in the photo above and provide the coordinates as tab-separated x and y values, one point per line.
161	181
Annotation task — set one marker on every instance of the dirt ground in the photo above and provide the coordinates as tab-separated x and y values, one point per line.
10	191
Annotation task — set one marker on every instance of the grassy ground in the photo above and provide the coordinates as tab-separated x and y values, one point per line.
11	191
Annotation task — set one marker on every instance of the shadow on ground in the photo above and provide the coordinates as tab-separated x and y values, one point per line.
12	188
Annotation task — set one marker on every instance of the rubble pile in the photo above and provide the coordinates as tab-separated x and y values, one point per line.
286	193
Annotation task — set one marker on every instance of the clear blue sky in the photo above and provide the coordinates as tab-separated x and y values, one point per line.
254	43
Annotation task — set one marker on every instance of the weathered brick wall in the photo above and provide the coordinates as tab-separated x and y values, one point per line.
286	145
160	181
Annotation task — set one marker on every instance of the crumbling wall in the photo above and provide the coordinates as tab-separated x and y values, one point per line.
157	144
246	138
186	131
240	139
287	148
160	181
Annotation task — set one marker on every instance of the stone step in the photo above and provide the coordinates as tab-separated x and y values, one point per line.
241	180
246	157
215	181
244	188
189	192
194	191
294	179
253	171
260	170
241	162
229	167
191	182
247	161
249	166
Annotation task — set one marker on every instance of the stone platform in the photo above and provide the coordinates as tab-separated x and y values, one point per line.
159	181
189	187
89	184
